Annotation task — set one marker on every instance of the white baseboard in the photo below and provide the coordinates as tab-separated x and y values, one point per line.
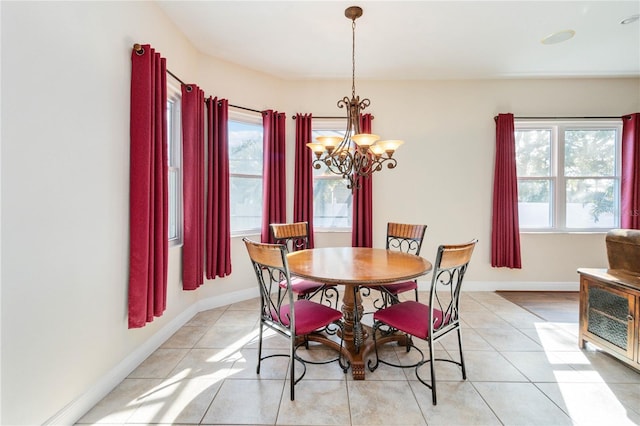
73	411
227	299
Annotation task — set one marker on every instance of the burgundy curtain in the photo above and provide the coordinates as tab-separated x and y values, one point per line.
303	178
148	193
630	179
274	185
218	232
362	228
193	186
505	229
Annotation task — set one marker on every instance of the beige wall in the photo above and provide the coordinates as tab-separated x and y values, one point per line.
64	225
65	163
444	175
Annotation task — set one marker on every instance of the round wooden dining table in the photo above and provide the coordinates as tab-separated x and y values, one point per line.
354	267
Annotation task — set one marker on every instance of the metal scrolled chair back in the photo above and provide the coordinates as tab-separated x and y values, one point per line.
451	265
405	238
269	264
295	236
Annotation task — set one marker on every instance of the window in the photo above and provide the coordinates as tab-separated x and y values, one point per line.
331	198
568	175
245	172
174	155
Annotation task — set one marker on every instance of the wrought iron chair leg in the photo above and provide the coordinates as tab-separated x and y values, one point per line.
292	360
433	372
464	371
373	367
259	349
345	366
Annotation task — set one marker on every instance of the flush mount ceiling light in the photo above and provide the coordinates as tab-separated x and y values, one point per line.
558	37
356	154
631	19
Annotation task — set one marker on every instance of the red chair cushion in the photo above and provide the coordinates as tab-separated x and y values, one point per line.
310	316
410	317
300	286
397	288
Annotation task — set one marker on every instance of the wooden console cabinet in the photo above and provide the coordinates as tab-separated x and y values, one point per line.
610	312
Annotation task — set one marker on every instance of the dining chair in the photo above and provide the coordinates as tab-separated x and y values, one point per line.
279	311
407	239
433	321
295	236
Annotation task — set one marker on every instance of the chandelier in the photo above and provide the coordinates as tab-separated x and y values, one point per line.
356	154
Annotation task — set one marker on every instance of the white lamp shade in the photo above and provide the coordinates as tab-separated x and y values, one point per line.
391	144
365	139
377	149
317	148
329	141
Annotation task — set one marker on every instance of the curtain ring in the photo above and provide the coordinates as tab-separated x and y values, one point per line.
189	88
139	49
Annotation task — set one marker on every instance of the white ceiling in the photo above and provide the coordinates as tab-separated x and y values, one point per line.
415	39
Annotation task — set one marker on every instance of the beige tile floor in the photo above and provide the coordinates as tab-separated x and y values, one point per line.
521	370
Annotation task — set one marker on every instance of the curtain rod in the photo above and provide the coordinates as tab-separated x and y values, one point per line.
139	50
326	117
246	109
177	78
562	118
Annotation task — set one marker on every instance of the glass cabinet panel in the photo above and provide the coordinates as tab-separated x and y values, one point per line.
608	316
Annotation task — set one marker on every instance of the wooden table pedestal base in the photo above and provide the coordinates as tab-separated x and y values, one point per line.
355	332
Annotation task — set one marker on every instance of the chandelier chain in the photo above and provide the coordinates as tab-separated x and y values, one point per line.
353	58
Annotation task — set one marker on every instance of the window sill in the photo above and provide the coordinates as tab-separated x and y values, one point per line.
332	230
248	234
565	232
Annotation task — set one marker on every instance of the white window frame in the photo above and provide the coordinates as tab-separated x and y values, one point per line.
256	119
558	180
174	146
336	125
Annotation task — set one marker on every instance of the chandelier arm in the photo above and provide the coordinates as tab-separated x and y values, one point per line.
366	165
343	103
353	183
343	146
391	163
340	165
317	163
363	164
